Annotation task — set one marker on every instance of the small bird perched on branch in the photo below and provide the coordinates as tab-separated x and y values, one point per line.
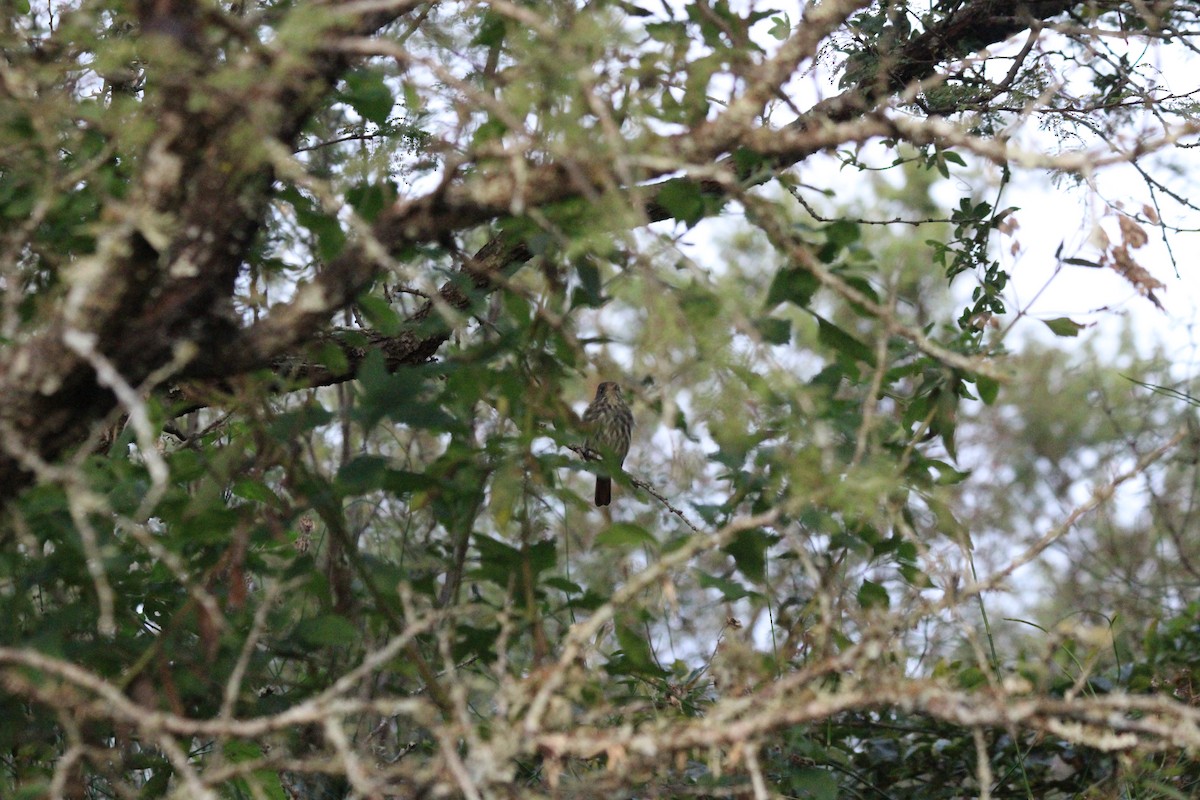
609	424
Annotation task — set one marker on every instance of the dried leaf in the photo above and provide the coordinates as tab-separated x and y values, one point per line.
1134	235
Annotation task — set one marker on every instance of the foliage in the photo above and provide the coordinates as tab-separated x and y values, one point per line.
302	301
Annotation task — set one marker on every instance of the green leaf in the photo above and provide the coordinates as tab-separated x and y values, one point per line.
294	425
813	783
947	522
781	27
915	576
400	482
500	562
368	199
255	491
792	285
625	536
989	389
380	314
971	678
239	751
695	103
945	474
364	474
842	233
398	396
730	590
863	285
382	391
563	585
332	357
1062	326
635	656
327	630
683	200
749	551
667	32
774	330
701	305
266	782
330	236
473	641
872	594
749	163
491	30
368	94
590	292
837	339
160	781
634	10
488	131
945	421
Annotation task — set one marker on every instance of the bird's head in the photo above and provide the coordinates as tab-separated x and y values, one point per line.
608	389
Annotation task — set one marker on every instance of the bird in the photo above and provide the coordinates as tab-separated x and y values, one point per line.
609	424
